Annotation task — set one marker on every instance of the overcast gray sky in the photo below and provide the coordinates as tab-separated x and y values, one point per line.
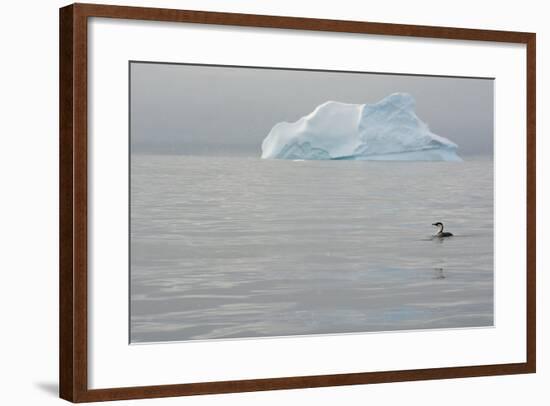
194	109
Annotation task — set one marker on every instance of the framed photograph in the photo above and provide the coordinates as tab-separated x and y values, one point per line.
255	202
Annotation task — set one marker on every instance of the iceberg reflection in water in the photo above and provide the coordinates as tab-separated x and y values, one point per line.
245	247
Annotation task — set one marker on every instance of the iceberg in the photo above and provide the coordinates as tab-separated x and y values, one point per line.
388	130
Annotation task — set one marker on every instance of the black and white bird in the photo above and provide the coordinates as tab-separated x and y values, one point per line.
440	232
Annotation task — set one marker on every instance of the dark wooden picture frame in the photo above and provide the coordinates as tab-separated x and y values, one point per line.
73	279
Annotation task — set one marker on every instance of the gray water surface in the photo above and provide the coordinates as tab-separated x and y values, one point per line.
244	247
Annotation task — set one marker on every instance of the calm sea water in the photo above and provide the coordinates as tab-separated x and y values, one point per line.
244	247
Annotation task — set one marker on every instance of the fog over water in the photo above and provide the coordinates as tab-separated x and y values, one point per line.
189	109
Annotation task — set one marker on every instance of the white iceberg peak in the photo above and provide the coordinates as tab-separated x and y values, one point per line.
387	130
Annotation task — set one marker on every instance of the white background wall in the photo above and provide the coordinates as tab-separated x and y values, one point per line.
29	188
